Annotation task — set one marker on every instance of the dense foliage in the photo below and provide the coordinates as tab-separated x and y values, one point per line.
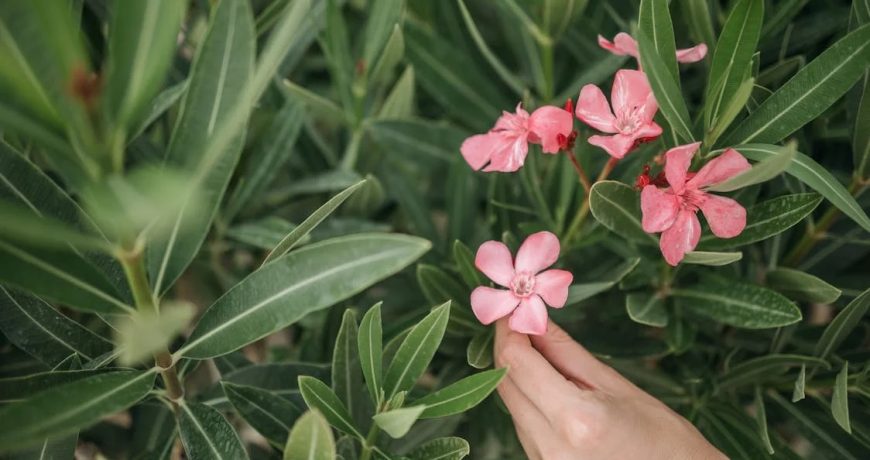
243	228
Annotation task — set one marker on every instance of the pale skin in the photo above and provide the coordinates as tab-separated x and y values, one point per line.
566	404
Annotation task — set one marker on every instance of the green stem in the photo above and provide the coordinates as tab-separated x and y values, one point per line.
577	223
547	64
370	443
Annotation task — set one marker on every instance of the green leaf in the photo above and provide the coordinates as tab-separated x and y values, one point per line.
310	439
730	112
223	66
582	291
398	422
206	434
280	379
146	332
800	385
654	22
24	225
846	321
462	395
19	388
347	379
798	285
264	233
730	429
416	351
813	424
314	102
383	17
50	449
451	448
416	138
307	280
809	93
764	368
34	326
464	260
370	345
479	351
400	102
393	53
71	406
500	69
861	134
646	309
766	219
840	401
142	41
761	419
320	397
732	58
617	207
334	41
439	287
272	416
738	304
713	259
154	432
665	87
311	222
760	172
161	103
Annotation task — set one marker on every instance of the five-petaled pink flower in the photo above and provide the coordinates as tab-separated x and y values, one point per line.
631	120
506	145
673	210
624	45
528	286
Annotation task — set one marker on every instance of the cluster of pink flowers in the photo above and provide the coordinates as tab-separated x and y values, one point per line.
669	202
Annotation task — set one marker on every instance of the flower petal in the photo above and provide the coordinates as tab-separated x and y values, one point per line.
495	261
547	123
677	161
648	131
718	169
515	123
649	108
681	237
538	251
659	209
727	218
490	304
509	156
530	317
693	54
552	286
630	91
616	145
594	110
477	149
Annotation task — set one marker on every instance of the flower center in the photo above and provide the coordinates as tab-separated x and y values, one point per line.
523	284
628	121
692	199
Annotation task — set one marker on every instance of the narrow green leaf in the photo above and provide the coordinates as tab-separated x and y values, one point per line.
347	379
296	284
272	416
581	291
400	102
699	20
738	304
646	309
464	260
439	287
310	439
394	52
370	345
798	285
50	449
861	134
730	112
759	369
460	396
398	422
25	226
161	103
383	17
800	385
314	102
416	138
320	397
154	432
713	259
66	408
416	351
479	351
665	86
809	93
840	401
264	233
813	424
206	434
500	69
762	171
654	22
617	207
336	48
451	448
280	379
841	326
19	388
761	419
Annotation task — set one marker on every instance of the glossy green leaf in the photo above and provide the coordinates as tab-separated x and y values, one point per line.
738	304
142	41
842	325
733	56
35	327
302	230
861	134
479	351
809	93
206	434
272	416
310	439
799	285
761	419
71	406
416	351
713	259
840	401
766	219
646	309
665	86
654	22
461	396
581	291
347	379
307	280
800	385
320	397
758	369
617	207
19	388
451	448
370	345
398	422
760	172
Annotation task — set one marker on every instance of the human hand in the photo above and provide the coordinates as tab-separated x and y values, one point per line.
566	404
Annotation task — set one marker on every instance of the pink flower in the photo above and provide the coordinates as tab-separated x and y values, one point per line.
624	45
631	121
506	145
528	287
673	210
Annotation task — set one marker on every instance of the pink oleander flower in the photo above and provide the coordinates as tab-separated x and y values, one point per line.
624	45
630	122
506	145
528	286
673	210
